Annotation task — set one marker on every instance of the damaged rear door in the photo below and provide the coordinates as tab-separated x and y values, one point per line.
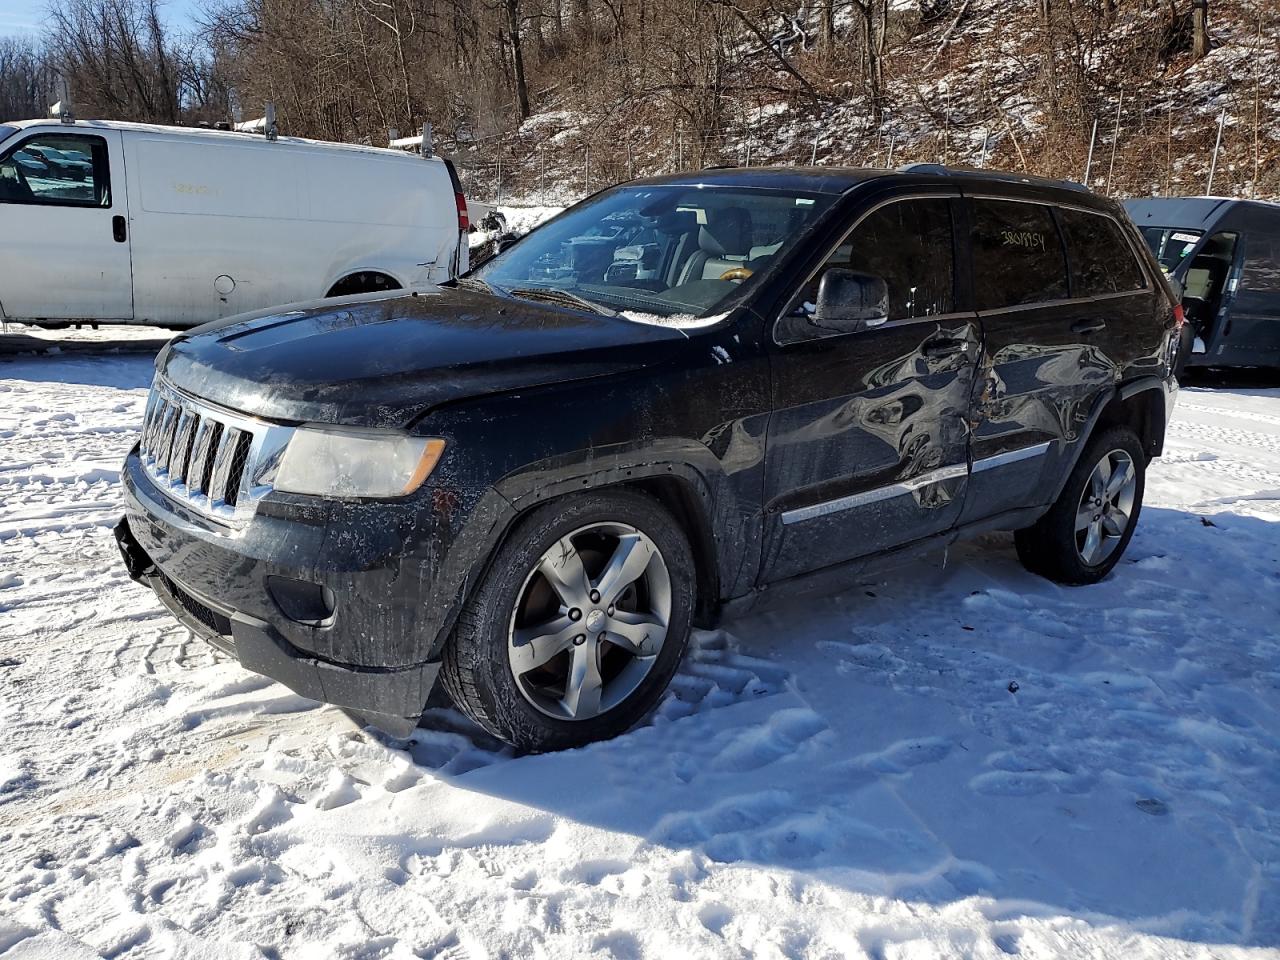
868	443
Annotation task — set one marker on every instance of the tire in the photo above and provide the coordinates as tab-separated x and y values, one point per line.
1056	546
517	599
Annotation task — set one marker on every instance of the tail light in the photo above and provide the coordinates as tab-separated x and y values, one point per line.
464	221
1179	316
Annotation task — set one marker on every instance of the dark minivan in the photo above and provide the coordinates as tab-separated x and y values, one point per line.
679	397
1226	256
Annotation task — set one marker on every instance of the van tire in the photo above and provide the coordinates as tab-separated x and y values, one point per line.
1052	546
477	671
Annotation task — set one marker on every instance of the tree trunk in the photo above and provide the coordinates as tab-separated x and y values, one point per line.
517	58
1050	59
1200	29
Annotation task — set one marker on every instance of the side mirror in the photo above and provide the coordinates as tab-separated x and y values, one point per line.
849	301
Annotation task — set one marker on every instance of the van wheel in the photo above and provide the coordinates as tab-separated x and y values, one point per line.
1085	532
579	624
366	281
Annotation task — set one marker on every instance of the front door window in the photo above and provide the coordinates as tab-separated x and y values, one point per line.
57	169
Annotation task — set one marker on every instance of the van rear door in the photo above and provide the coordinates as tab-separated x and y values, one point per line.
66	226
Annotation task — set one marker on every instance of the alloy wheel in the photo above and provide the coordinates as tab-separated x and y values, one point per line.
1106	507
590	621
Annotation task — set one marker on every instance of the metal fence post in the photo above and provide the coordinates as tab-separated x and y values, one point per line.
1213	165
1088	164
1115	140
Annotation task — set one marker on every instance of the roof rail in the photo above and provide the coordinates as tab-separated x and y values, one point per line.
924	168
1004	175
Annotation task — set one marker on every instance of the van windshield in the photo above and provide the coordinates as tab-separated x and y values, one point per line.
1170	244
656	253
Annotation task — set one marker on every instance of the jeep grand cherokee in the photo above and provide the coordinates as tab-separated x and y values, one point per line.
680	396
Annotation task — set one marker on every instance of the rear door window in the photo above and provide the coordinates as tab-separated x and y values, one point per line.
1102	261
1017	255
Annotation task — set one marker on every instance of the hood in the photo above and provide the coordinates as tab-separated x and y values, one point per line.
383	361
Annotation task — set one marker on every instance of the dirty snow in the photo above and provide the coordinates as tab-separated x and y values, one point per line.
520	220
953	761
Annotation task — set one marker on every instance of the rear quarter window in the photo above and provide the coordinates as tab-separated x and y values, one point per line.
1102	261
1262	264
1017	255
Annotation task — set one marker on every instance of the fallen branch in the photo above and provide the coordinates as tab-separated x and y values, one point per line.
946	37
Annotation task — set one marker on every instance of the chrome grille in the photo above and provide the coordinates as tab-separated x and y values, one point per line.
216	462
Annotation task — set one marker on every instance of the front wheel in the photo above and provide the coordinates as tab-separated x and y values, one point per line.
1085	532
579	624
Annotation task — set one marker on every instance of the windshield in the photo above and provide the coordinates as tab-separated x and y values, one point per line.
662	252
1170	245
6	130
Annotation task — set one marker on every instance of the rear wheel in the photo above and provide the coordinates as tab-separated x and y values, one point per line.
1084	534
579	624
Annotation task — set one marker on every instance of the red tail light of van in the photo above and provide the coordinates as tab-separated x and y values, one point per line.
464	221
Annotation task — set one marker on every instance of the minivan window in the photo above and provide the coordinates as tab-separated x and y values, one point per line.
1261	264
1102	261
907	243
1171	246
56	169
1017	255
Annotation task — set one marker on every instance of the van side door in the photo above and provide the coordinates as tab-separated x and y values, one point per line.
1253	316
867	445
66	224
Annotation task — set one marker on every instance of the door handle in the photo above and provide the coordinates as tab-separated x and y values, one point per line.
1088	326
117	229
943	347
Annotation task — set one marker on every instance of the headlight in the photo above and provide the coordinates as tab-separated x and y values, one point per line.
348	463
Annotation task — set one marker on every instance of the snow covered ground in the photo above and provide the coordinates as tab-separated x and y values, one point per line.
955	761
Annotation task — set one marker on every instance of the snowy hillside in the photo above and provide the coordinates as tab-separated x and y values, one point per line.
960	760
963	87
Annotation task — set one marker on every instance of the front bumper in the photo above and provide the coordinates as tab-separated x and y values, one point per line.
391	698
387	583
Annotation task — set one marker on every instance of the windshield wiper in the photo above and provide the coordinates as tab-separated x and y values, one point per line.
562	297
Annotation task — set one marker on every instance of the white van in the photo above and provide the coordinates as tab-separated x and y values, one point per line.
131	223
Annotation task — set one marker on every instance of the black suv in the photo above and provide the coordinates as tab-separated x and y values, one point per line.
679	396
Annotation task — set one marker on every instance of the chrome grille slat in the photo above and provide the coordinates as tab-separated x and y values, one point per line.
155	408
180	450
205	457
195	479
164	444
222	465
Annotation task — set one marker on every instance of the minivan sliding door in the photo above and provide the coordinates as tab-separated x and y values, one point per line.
66	227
